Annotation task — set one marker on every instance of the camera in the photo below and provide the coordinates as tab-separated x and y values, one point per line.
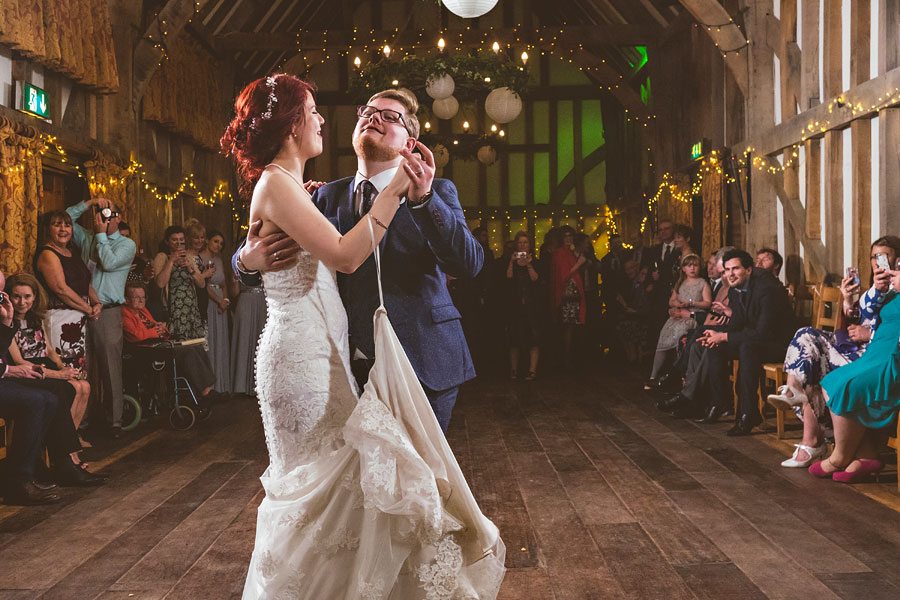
107	213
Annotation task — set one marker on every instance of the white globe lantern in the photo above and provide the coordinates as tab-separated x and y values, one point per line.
441	156
487	155
503	105
440	87
445	108
469	9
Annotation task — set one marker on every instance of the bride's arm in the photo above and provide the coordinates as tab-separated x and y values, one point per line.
292	210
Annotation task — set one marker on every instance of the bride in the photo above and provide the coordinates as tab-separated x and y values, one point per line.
364	498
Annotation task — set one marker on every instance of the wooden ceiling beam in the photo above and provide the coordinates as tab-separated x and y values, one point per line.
594	35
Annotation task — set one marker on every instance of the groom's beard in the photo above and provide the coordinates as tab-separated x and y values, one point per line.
369	149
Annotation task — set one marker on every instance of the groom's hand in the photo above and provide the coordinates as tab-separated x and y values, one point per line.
273	252
420	170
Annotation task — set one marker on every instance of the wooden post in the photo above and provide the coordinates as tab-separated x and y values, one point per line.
813	189
861	133
809	73
889	119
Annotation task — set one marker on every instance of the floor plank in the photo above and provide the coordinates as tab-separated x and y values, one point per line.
596	494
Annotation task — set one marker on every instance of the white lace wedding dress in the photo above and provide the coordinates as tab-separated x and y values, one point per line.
364	498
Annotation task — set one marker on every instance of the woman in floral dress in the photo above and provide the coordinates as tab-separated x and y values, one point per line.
179	277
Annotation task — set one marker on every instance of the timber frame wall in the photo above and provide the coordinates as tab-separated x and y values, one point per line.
823	122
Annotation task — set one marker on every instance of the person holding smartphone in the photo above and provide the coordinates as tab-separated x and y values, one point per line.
178	278
526	286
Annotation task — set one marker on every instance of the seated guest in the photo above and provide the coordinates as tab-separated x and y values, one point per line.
691	401
864	396
691	293
30	345
32	410
139	326
59	435
813	354
769	260
758	331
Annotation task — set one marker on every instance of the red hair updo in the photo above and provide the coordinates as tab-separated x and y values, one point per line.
265	114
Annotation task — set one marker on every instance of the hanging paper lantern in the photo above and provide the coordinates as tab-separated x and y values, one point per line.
487	155
469	9
445	108
440	87
441	156
503	105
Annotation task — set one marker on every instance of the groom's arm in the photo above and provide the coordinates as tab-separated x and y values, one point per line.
248	278
443	224
274	252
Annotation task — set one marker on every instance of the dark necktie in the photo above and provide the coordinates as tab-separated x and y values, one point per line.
367	194
665	252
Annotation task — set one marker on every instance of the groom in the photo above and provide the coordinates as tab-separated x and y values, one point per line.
427	240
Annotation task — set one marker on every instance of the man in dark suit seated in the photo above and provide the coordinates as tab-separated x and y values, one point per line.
759	330
33	411
427	240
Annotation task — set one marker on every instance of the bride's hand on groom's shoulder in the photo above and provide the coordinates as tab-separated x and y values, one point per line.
312	186
273	252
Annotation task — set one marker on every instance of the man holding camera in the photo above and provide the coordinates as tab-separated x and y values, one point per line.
108	254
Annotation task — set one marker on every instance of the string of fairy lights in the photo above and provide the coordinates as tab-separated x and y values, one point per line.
135	171
365	43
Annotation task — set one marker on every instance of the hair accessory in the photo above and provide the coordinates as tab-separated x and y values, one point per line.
270	83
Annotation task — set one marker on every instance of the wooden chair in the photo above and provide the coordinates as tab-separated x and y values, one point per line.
894	442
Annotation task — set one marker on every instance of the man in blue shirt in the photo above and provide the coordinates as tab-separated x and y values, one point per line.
108	254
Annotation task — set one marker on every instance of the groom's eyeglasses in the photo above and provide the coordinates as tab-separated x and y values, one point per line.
387	115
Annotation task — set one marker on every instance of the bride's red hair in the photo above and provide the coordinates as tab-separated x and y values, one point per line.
265	113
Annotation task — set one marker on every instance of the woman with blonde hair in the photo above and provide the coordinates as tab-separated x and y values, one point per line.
691	293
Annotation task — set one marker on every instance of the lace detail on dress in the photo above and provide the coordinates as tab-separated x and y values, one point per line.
440	577
268	565
293	590
330	542
370	590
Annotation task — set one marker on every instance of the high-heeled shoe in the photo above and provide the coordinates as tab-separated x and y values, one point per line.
787	397
817	470
867	466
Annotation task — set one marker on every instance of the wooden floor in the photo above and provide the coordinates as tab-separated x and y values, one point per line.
597	495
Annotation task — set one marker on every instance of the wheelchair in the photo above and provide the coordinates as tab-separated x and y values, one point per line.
152	380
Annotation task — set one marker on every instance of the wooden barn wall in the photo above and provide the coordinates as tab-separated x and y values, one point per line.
87	125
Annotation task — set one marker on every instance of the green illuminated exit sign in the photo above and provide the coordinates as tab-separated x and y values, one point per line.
698	149
34	101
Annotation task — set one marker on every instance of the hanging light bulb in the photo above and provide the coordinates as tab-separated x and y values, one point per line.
502	133
395	82
428	125
387	51
357	62
466	125
524	57
494	128
495	47
441	44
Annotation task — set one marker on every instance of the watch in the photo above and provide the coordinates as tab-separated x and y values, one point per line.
423	200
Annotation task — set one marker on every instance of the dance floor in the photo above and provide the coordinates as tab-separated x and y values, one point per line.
597	495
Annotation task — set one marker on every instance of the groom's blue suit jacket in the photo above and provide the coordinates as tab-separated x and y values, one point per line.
422	246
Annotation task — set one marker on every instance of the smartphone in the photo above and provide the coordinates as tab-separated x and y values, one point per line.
882	262
518	255
2	297
853	272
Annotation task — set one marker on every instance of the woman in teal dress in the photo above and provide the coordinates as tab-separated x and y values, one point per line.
864	396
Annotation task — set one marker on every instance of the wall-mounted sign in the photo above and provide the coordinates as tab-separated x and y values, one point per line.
33	100
699	149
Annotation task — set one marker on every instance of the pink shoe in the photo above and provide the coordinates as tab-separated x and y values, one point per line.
867	466
817	470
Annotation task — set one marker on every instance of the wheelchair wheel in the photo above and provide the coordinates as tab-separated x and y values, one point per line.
131	412
182	418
